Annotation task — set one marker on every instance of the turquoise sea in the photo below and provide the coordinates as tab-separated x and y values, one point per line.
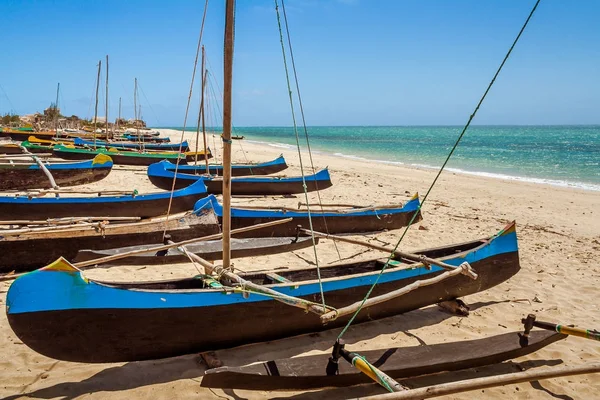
557	155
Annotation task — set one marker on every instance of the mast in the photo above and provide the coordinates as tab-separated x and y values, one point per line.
106	109
119	119
203	124
56	112
96	108
228	76
201	115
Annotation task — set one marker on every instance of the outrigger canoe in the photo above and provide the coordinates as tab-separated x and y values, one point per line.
24	207
29	175
162	177
136	146
119	157
266	168
351	220
26	249
61	314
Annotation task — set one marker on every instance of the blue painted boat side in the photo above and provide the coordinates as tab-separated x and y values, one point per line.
410	206
61	290
162	169
197	188
88	164
192	168
158	146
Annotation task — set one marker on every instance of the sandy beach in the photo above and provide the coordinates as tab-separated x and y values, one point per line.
559	239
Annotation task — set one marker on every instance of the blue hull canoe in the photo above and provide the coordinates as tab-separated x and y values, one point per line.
270	167
346	221
134	205
136	146
162	176
59	313
29	175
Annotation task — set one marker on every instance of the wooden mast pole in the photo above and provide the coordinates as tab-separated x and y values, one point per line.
203	120
135	114
200	111
106	95
119	119
56	111
228	76
96	108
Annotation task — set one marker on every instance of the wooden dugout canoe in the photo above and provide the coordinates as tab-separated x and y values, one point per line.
21	135
7	147
266	168
119	157
27	249
60	314
210	250
333	222
134	205
29	175
162	177
135	146
303	373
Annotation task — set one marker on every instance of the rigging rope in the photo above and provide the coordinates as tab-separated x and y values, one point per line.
187	108
310	222
304	122
439	172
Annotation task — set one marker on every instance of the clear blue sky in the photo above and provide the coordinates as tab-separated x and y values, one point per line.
360	62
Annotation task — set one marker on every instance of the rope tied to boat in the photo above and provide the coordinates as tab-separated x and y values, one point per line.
228	141
289	87
187	108
310	157
464	130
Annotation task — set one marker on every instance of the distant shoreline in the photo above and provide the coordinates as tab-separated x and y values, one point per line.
536	154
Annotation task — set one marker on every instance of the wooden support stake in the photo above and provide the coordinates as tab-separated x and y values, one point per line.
487	382
182	243
333	315
409	256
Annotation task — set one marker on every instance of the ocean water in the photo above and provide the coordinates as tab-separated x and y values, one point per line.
556	155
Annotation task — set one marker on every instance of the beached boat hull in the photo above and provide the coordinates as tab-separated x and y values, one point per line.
210	250
136	146
32	250
144	206
162	177
10	148
333	222
308	372
270	167
119	157
58	313
22	135
31	176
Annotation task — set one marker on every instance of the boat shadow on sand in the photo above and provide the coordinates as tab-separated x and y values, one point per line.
359	391
144	373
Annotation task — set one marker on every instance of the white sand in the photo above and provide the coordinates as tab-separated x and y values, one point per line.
559	236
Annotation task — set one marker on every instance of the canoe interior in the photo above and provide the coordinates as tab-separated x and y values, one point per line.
33	250
209	250
306	274
301	373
